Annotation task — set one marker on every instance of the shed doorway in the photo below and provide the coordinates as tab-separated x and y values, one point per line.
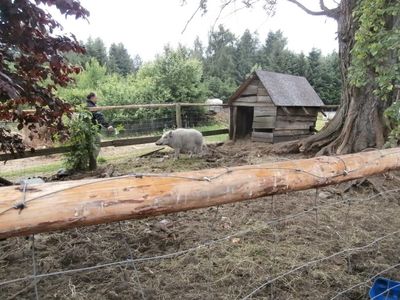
243	122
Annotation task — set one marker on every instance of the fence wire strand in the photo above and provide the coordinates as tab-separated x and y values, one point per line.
365	282
124	239
34	267
316	261
223	239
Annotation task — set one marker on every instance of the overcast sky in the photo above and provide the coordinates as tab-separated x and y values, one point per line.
145	26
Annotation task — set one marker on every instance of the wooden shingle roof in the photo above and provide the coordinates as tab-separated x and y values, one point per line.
284	89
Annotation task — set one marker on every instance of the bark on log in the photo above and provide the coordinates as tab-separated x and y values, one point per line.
62	205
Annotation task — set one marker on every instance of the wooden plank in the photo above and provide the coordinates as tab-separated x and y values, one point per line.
151	105
136	106
264	125
297	111
305	110
114	143
262	135
247	99
264	99
250	90
292	125
253	104
71	204
293	118
261	91
265	111
291	132
280	139
269	119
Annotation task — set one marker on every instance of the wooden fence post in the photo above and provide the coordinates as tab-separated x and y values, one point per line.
178	113
234	119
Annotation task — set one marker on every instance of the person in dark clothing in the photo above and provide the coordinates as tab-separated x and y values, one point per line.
97	119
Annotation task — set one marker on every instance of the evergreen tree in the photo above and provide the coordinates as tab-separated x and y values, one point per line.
120	61
96	49
198	50
246	55
220	65
272	54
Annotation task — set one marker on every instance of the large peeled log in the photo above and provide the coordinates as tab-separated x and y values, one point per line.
62	205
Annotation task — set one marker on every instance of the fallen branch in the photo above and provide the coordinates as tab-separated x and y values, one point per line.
63	205
151	152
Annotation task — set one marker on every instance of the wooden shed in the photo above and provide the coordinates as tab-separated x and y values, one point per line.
273	107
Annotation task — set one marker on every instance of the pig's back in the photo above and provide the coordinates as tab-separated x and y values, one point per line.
190	137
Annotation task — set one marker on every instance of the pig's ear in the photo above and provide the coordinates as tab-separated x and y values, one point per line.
170	134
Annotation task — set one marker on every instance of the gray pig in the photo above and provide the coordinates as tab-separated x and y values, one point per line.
183	140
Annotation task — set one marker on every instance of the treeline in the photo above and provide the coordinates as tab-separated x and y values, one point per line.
228	60
192	74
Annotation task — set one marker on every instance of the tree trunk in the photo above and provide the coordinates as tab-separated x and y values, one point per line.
359	122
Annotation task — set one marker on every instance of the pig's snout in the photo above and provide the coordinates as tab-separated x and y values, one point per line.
159	143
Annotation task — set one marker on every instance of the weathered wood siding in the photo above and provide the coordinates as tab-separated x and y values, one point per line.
264	117
274	124
294	123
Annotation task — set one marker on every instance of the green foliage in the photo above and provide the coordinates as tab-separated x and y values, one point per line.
220	63
230	60
376	55
120	61
81	140
96	49
87	81
376	52
393	116
117	61
246	55
191	75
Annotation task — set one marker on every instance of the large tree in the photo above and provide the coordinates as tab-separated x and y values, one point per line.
369	51
359	122
32	65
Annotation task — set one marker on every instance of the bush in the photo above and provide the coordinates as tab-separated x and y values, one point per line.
81	140
393	116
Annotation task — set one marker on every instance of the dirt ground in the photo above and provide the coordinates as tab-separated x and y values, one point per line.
232	249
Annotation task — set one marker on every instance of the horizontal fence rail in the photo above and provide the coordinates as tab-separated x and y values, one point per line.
113	143
165	105
177	119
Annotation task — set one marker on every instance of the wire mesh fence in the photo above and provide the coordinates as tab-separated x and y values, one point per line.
137	122
302	245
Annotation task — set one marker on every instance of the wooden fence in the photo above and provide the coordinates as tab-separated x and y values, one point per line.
136	140
124	141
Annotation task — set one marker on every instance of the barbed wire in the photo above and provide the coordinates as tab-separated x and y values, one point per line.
196	248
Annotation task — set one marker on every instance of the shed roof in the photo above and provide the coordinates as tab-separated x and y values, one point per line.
284	89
